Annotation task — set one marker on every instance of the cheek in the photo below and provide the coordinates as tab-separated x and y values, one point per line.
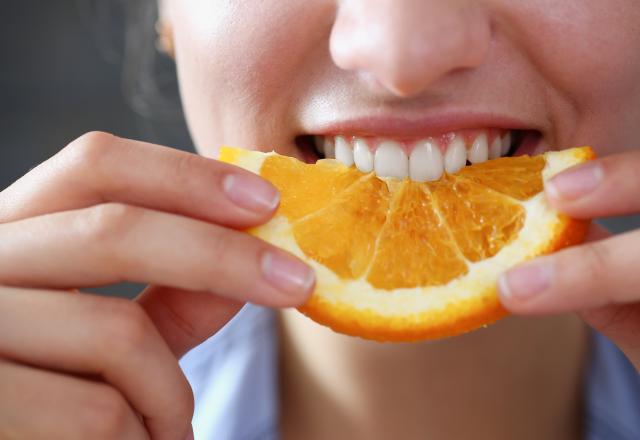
588	50
239	65
593	46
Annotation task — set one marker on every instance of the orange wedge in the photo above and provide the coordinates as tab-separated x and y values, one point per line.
398	260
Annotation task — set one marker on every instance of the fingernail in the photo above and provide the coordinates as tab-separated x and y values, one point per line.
251	192
526	281
287	273
576	182
190	436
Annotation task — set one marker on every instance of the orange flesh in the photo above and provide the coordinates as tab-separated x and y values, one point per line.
414	249
400	233
518	177
342	236
481	220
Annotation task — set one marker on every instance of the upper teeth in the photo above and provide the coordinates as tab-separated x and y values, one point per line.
422	160
456	156
362	155
426	162
343	151
479	151
391	160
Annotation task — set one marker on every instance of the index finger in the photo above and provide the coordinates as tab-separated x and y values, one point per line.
600	188
99	168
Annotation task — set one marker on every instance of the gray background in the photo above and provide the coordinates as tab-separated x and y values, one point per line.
61	75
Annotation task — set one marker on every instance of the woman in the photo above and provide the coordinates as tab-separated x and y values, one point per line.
269	73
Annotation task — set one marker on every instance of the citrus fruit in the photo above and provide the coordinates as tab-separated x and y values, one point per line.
398	260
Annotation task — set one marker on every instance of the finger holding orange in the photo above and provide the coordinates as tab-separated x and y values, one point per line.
104	210
100	168
599	279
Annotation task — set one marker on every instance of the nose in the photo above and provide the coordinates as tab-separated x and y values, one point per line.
406	45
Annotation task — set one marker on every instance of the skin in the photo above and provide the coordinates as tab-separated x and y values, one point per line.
259	75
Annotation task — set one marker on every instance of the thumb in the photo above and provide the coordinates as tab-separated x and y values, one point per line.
597	232
186	318
619	322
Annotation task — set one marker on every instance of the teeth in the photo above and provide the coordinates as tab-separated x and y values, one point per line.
426	162
362	156
343	151
495	151
479	151
328	148
391	161
456	156
324	145
506	143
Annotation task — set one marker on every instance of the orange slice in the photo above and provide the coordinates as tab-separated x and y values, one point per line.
398	260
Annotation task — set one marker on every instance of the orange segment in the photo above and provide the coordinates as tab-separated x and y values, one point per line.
414	248
294	178
518	177
481	220
342	236
404	261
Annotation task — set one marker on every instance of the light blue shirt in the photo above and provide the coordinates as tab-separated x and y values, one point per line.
234	376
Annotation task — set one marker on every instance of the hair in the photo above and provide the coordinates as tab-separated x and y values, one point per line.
125	32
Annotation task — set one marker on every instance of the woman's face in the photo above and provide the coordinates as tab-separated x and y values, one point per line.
265	74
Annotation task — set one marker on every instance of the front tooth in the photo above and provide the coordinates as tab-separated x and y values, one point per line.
328	148
496	148
390	160
426	162
362	156
506	143
479	151
343	151
456	156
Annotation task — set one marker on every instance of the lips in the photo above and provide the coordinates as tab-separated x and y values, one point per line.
421	159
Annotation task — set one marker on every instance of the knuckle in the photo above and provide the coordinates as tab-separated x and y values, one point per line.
611	318
594	268
107	222
182	403
597	258
126	329
220	243
185	166
89	149
219	246
104	414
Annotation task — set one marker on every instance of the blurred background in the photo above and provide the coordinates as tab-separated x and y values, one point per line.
72	66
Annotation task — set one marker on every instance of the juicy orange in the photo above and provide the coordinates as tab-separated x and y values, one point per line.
398	260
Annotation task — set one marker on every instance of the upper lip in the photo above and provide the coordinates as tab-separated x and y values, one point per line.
419	127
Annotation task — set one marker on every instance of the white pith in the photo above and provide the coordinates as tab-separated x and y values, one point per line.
539	227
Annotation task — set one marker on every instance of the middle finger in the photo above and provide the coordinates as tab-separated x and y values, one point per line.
112	243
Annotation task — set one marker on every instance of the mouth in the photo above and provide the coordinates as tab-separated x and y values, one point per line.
420	159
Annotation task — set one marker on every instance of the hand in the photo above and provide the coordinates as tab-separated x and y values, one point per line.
599	279
105	210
